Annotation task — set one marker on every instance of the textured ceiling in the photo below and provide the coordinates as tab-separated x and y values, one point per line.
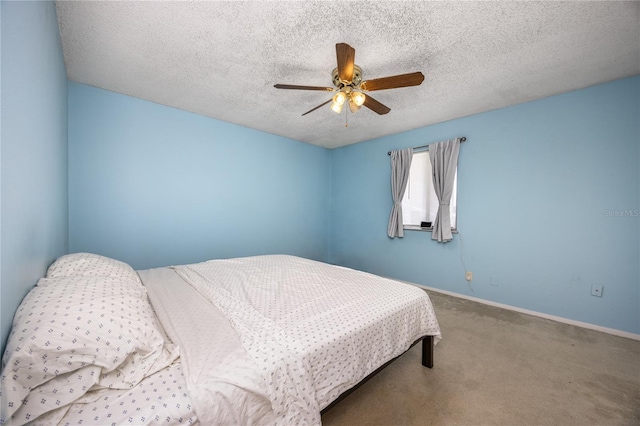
221	59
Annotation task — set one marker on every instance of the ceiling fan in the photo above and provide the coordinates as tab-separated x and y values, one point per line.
347	79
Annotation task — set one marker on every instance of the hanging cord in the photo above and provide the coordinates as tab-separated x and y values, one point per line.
462	260
346	117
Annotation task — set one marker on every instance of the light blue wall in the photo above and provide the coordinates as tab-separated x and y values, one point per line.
34	216
153	186
541	186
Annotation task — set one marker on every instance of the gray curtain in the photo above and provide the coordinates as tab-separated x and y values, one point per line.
444	161
400	166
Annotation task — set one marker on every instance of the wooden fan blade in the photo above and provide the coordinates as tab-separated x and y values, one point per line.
295	87
346	56
393	82
376	106
321	105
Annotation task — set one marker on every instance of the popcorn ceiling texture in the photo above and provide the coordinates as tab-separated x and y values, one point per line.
221	59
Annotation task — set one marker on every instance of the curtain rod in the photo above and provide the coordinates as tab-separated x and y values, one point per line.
462	139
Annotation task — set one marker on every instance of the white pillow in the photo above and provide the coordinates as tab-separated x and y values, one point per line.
79	334
90	265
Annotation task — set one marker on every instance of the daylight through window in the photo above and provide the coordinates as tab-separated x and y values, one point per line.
420	203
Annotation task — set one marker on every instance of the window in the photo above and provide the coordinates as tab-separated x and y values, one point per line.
420	203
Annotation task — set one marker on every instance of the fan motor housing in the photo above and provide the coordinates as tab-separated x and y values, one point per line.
355	81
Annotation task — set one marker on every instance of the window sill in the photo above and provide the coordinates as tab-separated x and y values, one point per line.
418	228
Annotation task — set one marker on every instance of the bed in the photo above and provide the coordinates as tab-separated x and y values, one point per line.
258	340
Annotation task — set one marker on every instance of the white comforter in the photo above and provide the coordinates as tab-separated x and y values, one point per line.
224	384
275	339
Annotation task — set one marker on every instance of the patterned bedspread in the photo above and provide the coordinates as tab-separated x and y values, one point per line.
86	348
262	340
311	330
223	381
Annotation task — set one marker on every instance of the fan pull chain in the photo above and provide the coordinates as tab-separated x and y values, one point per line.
346	117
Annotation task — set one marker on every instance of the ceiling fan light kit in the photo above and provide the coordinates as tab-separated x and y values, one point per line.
356	99
347	78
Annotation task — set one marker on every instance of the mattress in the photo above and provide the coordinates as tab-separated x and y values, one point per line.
300	332
260	340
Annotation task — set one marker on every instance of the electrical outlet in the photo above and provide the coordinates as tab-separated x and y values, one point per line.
493	280
468	276
596	290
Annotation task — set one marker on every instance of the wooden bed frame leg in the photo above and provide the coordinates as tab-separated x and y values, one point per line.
427	351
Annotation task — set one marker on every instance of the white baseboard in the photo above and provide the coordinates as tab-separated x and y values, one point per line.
534	313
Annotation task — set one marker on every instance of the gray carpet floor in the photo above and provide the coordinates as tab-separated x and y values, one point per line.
499	367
